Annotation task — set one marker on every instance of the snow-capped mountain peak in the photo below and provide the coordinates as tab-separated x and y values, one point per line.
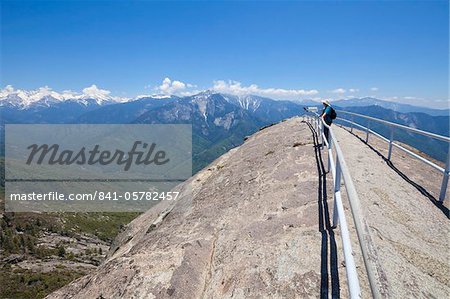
247	102
23	98
45	96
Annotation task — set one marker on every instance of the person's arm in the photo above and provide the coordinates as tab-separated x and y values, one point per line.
324	113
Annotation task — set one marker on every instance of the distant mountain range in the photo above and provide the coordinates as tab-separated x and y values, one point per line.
45	96
367	101
220	121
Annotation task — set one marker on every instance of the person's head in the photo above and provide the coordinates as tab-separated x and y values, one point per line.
326	103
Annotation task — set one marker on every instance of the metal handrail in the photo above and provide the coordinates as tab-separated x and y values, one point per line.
339	169
445	171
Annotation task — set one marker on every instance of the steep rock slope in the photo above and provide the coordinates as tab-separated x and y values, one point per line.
254	225
246	227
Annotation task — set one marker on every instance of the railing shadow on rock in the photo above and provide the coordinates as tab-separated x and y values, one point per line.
439	204
339	169
391	141
330	277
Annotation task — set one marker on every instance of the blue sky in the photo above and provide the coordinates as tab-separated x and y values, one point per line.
395	50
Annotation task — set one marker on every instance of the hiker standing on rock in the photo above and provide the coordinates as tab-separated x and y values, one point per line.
328	114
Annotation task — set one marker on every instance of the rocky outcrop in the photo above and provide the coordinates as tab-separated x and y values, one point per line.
246	226
255	224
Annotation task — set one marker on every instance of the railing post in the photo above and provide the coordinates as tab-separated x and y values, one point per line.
391	139
351	125
330	142
319	129
367	132
321	133
445	178
337	188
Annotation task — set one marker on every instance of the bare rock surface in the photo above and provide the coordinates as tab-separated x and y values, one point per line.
254	225
245	227
77	244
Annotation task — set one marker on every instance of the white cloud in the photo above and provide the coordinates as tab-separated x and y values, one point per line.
339	91
410	98
173	87
393	98
189	93
69	94
95	92
374	89
6	91
8	88
236	88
